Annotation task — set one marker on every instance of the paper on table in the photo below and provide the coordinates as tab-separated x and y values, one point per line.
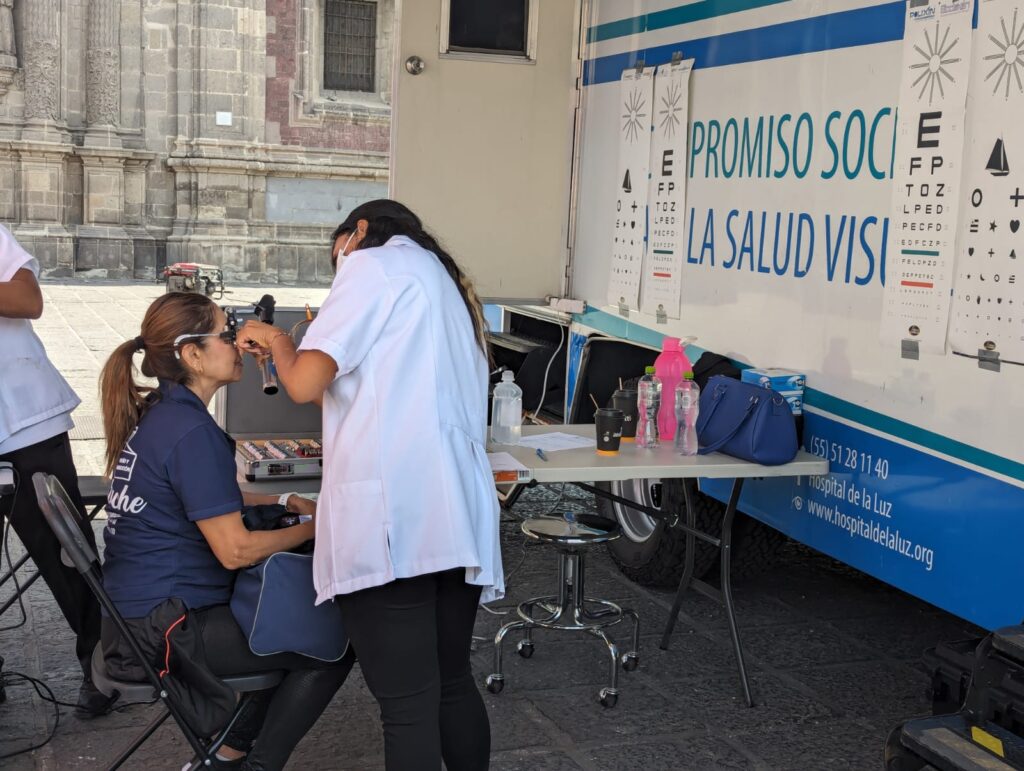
557	441
506	468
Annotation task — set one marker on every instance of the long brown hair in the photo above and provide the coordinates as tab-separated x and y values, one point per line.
386	218
123	400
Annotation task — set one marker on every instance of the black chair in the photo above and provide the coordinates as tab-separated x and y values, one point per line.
94	496
64	519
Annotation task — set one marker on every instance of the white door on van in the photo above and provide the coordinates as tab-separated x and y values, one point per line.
482	126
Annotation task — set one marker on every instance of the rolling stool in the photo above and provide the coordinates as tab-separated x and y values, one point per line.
570	609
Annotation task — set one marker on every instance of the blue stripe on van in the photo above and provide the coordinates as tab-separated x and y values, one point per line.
621	328
672	17
845	29
914	434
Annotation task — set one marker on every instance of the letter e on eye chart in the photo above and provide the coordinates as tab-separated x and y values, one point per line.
661	286
927	173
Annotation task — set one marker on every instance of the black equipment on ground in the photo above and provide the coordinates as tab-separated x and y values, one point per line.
196	278
977	704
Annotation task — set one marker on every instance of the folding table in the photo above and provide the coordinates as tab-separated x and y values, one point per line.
584	467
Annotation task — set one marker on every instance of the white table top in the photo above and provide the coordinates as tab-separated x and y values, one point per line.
586	465
634	462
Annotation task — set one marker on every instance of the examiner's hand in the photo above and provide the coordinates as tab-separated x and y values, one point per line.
299	505
255	337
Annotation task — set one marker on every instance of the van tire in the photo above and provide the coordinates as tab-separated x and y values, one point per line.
658	559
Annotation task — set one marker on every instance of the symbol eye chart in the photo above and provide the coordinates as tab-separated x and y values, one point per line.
988	294
662	264
630	215
926	176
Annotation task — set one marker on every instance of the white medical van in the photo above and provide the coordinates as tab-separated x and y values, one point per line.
512	147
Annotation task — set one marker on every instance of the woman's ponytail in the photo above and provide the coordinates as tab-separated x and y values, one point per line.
122	399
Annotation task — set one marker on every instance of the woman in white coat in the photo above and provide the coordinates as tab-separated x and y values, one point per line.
407	521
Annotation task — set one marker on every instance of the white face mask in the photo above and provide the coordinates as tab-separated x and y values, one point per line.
341	252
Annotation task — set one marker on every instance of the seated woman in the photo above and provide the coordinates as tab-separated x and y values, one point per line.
175	532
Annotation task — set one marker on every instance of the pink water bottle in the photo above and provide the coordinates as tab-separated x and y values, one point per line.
670	367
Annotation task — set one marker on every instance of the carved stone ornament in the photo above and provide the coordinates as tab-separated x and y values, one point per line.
8	49
103	88
42	69
7	28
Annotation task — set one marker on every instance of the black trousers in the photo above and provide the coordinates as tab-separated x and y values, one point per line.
412	637
275	720
76	601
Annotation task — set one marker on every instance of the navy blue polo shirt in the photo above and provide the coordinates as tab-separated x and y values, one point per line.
177	468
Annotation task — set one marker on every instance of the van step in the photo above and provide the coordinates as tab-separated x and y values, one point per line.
946	743
516	343
1010	640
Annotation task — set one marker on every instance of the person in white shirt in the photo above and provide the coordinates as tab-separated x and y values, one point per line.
407	521
35	417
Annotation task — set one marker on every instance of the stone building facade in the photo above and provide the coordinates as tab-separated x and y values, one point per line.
136	133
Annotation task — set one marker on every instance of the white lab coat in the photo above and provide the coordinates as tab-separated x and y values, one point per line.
35	401
407	488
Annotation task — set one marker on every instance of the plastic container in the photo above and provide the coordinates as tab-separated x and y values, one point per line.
507	411
670	366
687	406
648	404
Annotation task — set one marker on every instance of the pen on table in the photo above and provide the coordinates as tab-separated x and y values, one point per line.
541	455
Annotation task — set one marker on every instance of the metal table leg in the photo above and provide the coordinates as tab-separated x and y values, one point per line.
726	580
687	577
722	595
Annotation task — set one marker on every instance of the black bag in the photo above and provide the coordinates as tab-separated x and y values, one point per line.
263	516
174	646
711	364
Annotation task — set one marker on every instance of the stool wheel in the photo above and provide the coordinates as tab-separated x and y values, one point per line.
495	683
608	698
630	661
525	649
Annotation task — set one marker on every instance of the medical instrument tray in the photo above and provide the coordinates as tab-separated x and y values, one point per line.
263	459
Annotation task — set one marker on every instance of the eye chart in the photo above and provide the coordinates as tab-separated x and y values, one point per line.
988	296
663	261
636	97
926	177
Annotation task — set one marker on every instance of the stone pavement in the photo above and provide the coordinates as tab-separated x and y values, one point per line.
834	655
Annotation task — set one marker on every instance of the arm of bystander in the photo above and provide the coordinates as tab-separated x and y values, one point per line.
20	297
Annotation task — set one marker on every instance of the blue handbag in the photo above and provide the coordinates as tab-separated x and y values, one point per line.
746	421
273	603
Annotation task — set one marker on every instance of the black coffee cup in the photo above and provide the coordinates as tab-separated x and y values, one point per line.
608	423
625	399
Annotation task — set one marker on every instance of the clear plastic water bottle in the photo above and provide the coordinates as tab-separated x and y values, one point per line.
687	407
648	403
507	411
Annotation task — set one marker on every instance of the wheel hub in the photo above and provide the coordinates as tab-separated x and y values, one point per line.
637	526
